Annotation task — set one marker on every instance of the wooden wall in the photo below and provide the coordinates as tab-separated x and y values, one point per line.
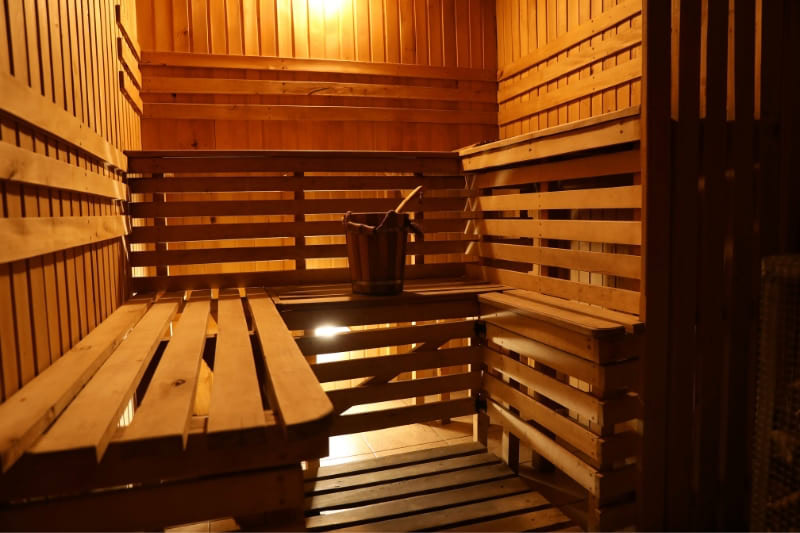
345	74
66	115
721	158
565	60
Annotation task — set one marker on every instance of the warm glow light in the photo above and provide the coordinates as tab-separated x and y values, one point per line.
330	331
327	7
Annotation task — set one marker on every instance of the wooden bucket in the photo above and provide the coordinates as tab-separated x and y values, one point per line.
377	258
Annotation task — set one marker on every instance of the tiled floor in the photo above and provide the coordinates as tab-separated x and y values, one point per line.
383	442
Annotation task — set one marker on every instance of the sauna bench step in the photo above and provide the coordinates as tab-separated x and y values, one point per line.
459	487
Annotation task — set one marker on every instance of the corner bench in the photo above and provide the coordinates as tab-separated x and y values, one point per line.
70	463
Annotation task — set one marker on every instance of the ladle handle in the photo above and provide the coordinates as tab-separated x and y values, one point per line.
408	198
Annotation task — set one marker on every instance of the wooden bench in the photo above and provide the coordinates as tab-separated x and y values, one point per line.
459	488
108	431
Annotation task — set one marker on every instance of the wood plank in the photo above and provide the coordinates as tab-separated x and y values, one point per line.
627	197
285	183
166	410
295	160
548	518
131	92
391	461
625	162
400	473
606	134
404	389
607	231
28	413
53	234
275	278
281	207
194	85
303	406
619	299
578	322
23	166
462	514
570	397
568	463
369	366
89	422
377	338
401	416
416	504
413	487
285	64
315	113
236	404
23	102
631	322
129	62
613	264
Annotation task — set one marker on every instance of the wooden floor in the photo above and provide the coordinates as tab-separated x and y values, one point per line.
461	487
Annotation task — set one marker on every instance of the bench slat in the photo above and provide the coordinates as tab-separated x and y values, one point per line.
418	504
90	420
28	413
166	409
534	520
235	396
303	406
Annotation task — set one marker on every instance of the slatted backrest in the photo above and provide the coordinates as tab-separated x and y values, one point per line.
569	227
270	218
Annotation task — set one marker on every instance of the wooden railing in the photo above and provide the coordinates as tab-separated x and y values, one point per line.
260	218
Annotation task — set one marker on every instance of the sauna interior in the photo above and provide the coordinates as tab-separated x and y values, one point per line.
598	327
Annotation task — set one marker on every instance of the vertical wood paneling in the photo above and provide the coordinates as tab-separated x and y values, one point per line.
61	58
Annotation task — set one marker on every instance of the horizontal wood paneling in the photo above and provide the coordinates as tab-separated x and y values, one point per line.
63	129
352	74
564	60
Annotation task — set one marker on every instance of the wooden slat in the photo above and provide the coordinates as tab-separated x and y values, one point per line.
619	299
26	237
313	65
400	473
404	389
548	518
625	162
370	366
377	338
578	322
201	232
314	113
286	183
401	416
21	101
608	231
629	197
391	461
235	394
25	415
194	85
279	207
166	409
411	487
273	253
23	166
289	277
88	423
130	92
621	129
623	265
452	516
416	504
297	160
303	406
128	61
595	26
